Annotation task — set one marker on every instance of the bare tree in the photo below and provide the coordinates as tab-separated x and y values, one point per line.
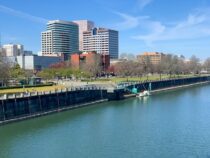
147	65
159	69
194	64
206	64
138	69
93	67
124	69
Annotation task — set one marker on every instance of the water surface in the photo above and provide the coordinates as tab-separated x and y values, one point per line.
167	125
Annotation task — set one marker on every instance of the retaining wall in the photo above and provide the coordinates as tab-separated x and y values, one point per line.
14	108
155	85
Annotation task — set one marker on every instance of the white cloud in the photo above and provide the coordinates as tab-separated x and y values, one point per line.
143	3
195	26
129	22
20	14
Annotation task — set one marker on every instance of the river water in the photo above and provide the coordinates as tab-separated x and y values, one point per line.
173	124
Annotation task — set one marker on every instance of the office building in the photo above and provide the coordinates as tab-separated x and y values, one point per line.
103	41
33	62
12	49
60	37
84	25
154	57
20	49
28	52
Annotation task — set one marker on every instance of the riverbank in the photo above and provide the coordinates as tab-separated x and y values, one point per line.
17	108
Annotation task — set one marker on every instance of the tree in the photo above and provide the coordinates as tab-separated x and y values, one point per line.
59	65
171	64
137	69
4	70
148	67
207	64
47	73
194	64
92	67
16	72
159	68
125	69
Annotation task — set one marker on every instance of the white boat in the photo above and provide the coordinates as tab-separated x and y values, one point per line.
143	94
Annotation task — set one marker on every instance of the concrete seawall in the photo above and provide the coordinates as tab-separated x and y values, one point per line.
25	107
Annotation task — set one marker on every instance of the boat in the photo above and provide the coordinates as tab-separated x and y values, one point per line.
143	94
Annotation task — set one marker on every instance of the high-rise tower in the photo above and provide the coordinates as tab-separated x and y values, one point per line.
60	37
103	41
84	25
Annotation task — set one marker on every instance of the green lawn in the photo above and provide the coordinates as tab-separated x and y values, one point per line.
32	89
144	78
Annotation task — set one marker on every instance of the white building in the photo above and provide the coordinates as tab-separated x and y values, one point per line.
103	41
13	49
60	37
10	49
84	25
33	62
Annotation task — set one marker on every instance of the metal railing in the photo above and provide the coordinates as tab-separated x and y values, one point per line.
29	94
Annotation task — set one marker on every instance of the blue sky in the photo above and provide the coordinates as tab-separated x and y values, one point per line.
178	27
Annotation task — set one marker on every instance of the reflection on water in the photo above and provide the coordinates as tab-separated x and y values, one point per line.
144	100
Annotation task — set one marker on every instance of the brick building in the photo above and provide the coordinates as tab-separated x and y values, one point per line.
79	59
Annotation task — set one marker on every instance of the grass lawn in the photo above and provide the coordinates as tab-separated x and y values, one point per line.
144	78
105	80
32	89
